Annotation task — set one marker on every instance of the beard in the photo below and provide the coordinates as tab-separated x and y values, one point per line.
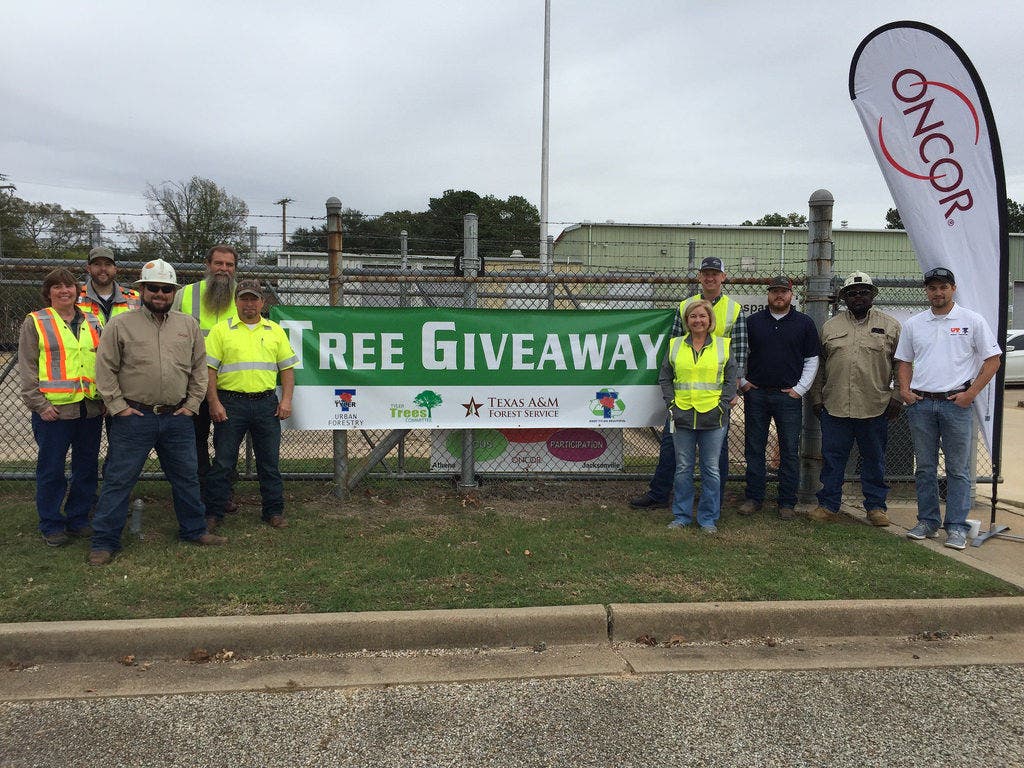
219	293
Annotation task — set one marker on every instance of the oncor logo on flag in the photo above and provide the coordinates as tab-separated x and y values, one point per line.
935	142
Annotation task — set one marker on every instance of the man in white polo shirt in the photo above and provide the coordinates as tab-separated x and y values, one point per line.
946	355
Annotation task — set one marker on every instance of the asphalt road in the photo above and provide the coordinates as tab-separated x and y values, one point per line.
946	716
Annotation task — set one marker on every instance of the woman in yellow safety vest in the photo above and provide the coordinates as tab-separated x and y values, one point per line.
698	384
57	365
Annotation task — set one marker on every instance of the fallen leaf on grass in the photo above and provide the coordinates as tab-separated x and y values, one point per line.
527	552
128	661
198	656
224	655
647	640
675	640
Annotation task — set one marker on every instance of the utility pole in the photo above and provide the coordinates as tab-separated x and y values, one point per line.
283	202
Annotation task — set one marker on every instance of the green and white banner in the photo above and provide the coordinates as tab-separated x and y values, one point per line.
435	368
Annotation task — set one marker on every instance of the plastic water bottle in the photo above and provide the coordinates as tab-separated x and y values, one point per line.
136	524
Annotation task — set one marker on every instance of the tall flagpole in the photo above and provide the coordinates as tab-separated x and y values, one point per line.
544	255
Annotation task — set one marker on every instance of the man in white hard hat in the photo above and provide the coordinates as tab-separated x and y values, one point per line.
151	373
854	398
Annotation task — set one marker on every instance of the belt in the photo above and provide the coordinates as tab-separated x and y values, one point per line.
938	395
157	409
250	395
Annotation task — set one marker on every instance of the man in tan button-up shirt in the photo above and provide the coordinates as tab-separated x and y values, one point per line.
151	373
854	398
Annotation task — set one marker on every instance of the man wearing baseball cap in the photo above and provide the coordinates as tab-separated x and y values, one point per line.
947	354
245	355
730	323
782	362
854	399
100	294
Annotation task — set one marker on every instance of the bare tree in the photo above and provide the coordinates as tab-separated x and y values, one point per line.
187	219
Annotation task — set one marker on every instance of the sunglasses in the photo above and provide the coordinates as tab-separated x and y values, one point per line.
857	292
159	288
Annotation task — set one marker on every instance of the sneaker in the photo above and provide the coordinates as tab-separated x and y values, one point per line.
709	529
921	531
821	515
276	521
749	507
647	502
878	517
956	540
786	513
676	524
56	539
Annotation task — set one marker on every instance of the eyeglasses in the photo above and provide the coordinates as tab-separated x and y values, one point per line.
857	293
159	288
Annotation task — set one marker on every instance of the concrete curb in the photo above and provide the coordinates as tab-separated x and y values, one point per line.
83	641
826	618
299	634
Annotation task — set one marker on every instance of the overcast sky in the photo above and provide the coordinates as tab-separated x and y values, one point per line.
661	112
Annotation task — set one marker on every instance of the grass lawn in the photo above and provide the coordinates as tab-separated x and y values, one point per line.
420	545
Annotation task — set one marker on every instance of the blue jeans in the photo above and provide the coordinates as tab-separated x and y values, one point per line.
54	438
688	443
131	439
258	418
664	474
760	407
837	438
930	421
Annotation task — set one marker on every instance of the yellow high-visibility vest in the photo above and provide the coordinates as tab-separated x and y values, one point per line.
698	384
192	304
67	365
727	312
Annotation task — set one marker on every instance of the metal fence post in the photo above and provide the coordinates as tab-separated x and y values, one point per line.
253	239
94	234
334	259
819	287
470	266
403	287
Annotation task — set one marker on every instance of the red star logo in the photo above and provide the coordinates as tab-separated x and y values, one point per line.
472	408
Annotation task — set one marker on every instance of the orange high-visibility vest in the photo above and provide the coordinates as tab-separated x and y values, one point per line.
67	365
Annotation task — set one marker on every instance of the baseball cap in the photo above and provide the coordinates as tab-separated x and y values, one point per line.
252	287
712	262
101	252
780	281
939	273
855	279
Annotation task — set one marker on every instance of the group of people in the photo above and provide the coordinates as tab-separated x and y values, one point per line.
857	374
157	364
160	363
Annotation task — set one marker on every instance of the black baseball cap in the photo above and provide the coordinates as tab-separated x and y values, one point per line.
939	273
781	281
712	262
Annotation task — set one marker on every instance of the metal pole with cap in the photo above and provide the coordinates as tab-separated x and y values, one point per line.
334	259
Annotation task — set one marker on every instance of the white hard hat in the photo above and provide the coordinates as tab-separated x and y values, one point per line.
158	271
858	278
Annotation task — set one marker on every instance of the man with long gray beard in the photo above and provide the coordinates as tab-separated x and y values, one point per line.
210	301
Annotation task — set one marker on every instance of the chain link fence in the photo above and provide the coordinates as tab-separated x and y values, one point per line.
397	280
